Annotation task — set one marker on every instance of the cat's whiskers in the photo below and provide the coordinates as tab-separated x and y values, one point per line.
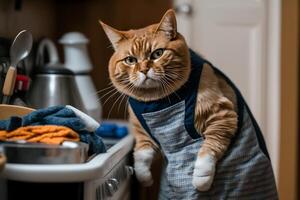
131	90
107	93
174	70
123	97
174	79
110	97
168	85
163	84
113	105
174	74
104	89
128	86
167	82
165	89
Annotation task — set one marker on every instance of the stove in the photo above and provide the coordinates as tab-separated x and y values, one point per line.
105	176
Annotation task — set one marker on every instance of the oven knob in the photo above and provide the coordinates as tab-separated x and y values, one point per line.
130	170
115	182
111	186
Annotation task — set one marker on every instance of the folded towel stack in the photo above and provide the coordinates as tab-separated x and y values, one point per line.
53	125
49	134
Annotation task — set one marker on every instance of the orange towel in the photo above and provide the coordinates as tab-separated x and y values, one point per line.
49	134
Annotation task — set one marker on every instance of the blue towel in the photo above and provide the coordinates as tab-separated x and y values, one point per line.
61	116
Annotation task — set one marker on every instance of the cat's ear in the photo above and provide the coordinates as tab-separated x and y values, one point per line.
168	24
113	35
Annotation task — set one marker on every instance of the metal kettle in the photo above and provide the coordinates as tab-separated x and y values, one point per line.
52	83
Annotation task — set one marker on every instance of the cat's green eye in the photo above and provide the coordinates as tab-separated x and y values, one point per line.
130	60
157	54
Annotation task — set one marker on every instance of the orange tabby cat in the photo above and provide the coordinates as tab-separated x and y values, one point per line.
151	64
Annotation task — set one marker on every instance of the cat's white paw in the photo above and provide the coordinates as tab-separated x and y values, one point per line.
143	174
204	172
142	163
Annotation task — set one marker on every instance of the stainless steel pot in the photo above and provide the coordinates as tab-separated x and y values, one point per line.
37	153
54	86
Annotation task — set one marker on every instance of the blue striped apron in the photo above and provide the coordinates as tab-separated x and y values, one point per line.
244	172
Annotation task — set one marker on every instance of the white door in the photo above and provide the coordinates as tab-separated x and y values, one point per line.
242	39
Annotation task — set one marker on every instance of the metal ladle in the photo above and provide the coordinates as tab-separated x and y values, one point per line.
19	49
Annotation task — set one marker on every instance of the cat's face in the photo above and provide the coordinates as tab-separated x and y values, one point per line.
149	63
